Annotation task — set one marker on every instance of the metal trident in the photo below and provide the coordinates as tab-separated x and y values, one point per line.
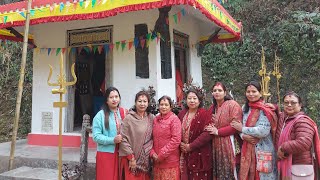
62	90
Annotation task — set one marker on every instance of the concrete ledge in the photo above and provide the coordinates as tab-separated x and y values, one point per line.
25	172
43	157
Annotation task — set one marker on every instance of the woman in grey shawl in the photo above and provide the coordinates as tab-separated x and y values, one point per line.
137	140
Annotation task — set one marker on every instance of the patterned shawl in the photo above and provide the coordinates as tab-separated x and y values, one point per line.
137	139
223	154
248	155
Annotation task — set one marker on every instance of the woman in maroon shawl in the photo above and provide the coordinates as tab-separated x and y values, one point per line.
226	141
196	151
296	133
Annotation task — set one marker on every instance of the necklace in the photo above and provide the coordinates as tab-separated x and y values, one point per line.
186	126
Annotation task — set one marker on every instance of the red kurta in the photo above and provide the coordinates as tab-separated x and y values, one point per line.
224	150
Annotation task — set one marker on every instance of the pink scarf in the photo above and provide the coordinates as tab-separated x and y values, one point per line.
285	165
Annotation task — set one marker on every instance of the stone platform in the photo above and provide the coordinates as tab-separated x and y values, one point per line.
28	158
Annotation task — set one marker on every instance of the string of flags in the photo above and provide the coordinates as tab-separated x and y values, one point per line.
71	6
83	5
137	42
142	41
176	17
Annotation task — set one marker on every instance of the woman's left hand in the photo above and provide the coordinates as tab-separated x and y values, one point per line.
132	165
250	139
155	157
281	154
212	130
237	125
185	147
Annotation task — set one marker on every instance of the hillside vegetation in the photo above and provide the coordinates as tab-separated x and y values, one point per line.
291	29
10	60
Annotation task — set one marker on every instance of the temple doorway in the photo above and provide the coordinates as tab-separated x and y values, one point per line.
90	87
181	47
89	50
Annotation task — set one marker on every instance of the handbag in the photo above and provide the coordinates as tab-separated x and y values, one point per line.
302	172
264	161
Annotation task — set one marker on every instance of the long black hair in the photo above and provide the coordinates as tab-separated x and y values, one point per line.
105	106
226	97
256	85
142	93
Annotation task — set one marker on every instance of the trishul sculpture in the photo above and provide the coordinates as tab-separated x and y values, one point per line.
62	83
277	74
265	77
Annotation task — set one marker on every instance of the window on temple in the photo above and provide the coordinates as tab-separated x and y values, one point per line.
141	52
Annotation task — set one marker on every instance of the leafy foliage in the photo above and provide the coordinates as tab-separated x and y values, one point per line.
10	59
290	29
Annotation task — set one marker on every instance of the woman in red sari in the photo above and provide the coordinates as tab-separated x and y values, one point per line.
196	151
297	134
225	142
106	133
137	141
166	141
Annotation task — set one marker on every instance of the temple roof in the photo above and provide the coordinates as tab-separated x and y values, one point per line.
46	11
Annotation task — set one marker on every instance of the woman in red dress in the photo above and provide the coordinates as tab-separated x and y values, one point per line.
226	141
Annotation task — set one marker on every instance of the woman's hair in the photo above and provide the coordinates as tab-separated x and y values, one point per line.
256	85
165	97
292	93
105	106
198	94
226	97
142	93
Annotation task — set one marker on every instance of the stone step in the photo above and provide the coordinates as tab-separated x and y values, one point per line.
44	157
30	173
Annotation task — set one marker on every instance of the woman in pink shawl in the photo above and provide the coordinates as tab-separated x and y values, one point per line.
297	134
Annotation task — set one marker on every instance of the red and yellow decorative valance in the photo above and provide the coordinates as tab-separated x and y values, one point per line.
45	11
7	35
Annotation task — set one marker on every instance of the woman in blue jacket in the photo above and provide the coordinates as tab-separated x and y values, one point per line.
106	133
